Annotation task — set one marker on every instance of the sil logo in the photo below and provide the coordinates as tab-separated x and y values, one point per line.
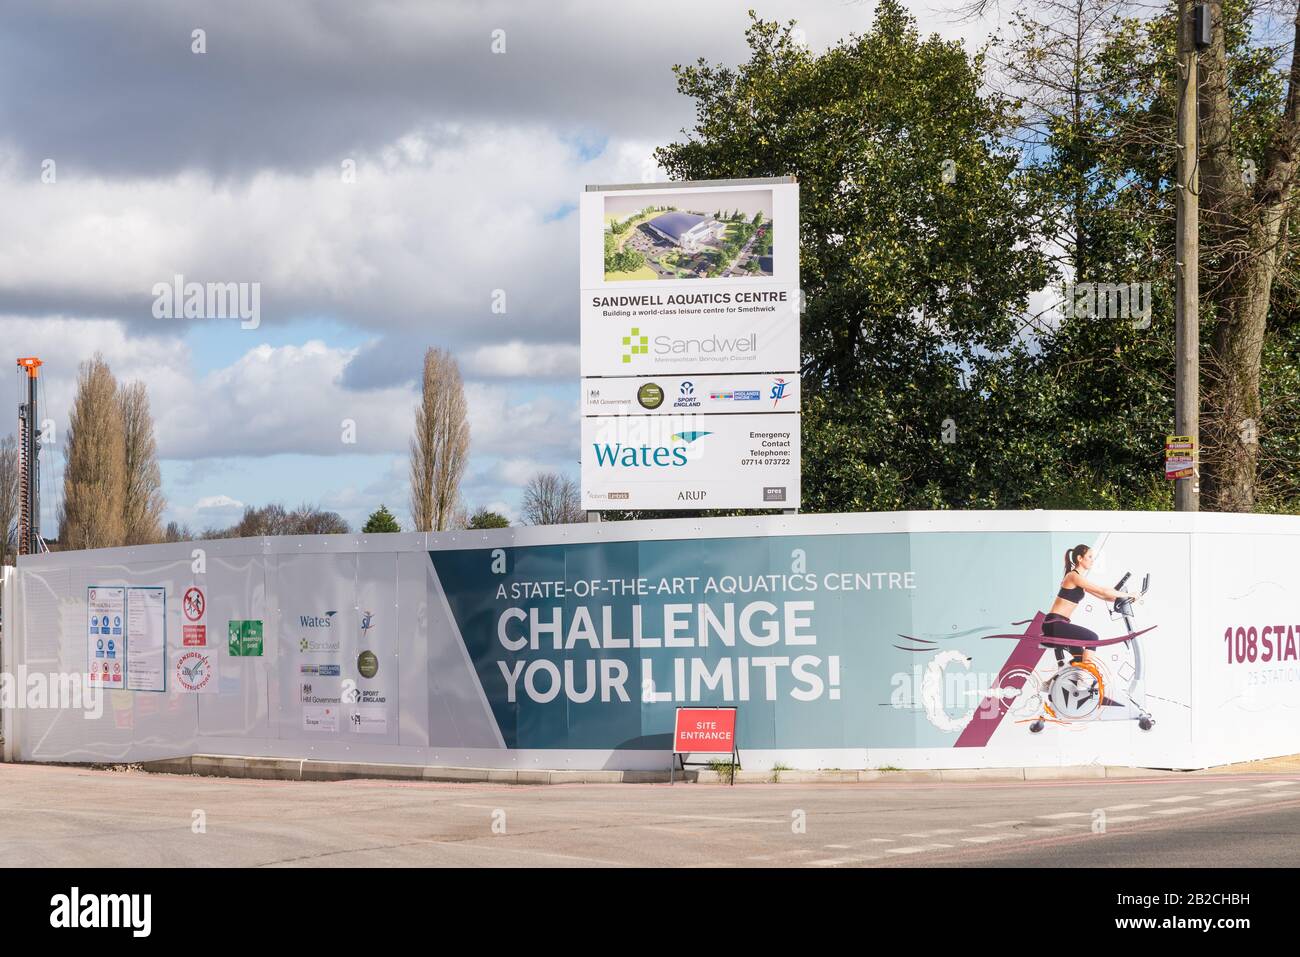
778	392
366	623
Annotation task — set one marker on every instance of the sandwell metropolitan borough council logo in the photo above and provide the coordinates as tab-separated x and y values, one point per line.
635	344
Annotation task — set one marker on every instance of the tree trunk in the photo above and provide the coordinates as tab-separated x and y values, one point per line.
1243	223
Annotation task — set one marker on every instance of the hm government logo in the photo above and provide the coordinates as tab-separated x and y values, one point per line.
635	344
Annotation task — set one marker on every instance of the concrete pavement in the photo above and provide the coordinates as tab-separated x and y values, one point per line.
80	817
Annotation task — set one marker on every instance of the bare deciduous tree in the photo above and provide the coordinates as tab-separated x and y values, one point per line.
94	474
275	519
9	499
144	502
552	499
440	446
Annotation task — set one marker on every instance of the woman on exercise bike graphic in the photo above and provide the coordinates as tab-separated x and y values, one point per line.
1057	624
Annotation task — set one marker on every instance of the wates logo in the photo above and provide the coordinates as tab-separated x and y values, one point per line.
647	456
317	621
778	392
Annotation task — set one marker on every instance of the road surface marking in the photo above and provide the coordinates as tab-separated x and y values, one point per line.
987	838
1125	807
934	833
1275	784
1124	819
1064	814
1229	801
1226	791
917	849
1000	824
1175	799
1178	810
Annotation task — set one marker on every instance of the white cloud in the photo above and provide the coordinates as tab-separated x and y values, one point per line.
524	360
209	502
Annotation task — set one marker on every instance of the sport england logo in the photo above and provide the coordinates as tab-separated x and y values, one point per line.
686	398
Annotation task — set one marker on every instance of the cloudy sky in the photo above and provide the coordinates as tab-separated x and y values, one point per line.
380	171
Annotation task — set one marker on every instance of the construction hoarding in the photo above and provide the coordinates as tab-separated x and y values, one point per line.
916	640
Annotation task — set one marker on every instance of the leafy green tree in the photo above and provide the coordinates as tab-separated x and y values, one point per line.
381	520
916	281
486	518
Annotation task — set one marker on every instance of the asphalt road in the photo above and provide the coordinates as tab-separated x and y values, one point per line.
77	817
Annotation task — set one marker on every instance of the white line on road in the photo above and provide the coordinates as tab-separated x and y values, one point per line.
917	849
1064	814
1178	810
1125	807
1228	802
1175	799
1000	824
1226	791
987	838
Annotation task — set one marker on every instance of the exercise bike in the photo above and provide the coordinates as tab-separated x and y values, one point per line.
1083	690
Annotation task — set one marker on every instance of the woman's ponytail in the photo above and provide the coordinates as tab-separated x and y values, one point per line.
1072	556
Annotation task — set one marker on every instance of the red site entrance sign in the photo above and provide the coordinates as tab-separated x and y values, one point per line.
704	731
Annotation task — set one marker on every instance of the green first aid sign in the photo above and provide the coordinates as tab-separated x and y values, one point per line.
245	639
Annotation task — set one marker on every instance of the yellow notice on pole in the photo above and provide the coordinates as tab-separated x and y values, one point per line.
1180	456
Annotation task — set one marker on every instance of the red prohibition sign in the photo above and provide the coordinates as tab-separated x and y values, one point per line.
193	604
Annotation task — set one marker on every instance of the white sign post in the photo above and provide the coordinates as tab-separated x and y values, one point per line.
690	311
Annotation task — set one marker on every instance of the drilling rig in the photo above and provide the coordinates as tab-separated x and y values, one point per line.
29	473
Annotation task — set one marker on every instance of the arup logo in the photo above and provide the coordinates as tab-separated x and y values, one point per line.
317	621
778	392
635	344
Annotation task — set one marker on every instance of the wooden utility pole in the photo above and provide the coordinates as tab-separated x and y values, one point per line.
1187	491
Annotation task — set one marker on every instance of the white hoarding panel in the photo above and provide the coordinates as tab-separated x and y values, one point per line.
690	279
688	395
690	461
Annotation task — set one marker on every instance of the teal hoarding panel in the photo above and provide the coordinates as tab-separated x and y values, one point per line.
822	641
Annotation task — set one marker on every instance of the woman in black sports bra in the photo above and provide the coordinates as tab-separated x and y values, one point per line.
1057	623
